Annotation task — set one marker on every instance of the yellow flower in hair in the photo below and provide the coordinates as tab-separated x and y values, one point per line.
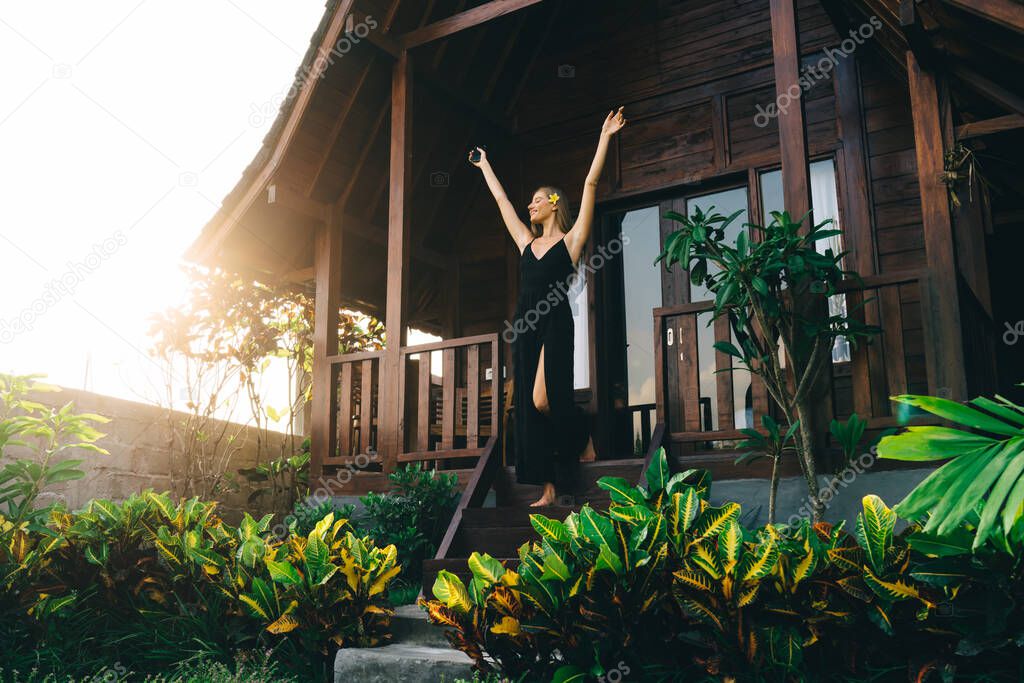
553	198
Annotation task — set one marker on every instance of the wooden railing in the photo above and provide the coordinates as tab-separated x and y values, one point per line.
455	415
899	360
355	378
704	395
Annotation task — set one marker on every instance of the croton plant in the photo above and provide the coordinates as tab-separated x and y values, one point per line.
669	586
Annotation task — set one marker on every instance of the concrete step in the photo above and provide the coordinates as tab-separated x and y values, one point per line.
410	626
401	662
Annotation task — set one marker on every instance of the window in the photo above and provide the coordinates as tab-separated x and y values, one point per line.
642	290
578	302
824	205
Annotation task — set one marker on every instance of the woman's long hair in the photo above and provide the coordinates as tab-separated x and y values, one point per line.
563	221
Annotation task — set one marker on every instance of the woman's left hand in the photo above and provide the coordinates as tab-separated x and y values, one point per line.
613	123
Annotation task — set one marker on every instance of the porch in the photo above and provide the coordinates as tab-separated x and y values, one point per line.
362	194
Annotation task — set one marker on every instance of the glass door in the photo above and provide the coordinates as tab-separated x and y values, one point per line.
633	289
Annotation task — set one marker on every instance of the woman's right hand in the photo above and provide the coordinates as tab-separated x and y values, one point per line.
483	157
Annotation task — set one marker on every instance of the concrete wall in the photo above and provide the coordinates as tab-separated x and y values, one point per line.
139	440
891	486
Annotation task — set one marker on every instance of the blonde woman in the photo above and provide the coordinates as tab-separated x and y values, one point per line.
551	433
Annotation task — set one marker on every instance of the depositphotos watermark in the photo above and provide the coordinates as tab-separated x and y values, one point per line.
843	479
353	35
559	291
1013	333
326	487
59	287
815	72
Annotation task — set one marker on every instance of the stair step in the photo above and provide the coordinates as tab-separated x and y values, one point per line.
512	516
510	493
411	626
401	662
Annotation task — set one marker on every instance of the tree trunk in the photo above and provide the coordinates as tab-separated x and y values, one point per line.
805	451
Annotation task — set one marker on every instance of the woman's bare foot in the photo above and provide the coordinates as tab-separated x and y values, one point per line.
548	498
589	454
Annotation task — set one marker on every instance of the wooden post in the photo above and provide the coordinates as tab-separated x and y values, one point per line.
398	260
796	186
857	232
327	266
943	307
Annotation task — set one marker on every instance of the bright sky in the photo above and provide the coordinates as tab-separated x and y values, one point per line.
122	126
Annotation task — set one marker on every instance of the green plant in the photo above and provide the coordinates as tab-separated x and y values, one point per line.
676	588
45	432
770	443
772	288
307	513
285	480
414	515
984	477
324	590
150	582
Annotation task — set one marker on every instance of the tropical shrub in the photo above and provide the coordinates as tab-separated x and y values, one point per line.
307	513
772	285
150	582
413	516
983	482
675	588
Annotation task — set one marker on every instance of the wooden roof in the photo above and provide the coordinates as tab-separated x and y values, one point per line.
329	143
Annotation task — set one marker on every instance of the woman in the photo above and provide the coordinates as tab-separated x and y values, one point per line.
551	435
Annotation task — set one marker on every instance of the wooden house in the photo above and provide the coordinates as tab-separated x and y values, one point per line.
867	111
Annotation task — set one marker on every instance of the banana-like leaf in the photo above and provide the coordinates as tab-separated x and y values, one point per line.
1009	466
927	443
957	542
960	413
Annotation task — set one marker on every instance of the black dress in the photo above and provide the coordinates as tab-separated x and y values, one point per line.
547	447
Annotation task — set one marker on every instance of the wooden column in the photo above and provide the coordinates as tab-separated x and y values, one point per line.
398	261
796	187
943	309
327	266
857	232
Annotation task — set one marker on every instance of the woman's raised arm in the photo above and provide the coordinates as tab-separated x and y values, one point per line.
576	238
521	234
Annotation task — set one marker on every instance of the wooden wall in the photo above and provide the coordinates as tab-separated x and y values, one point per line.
692	76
